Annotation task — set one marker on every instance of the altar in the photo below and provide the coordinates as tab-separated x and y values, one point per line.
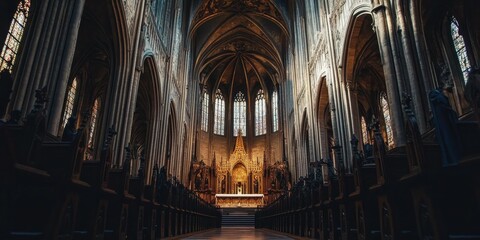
239	200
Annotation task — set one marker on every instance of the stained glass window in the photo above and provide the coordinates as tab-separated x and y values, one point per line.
388	120
93	122
460	49
206	100
219	127
260	114
14	36
275	111
239	114
72	91
364	131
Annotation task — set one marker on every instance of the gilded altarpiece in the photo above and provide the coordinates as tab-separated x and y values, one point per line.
239	174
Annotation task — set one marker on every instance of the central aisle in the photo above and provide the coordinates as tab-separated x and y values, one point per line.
238	233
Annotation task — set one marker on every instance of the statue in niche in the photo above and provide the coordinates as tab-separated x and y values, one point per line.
223	185
206	182
445	122
255	185
198	181
283	182
239	188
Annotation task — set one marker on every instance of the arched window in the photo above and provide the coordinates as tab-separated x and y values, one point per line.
239	114
260	114
219	127
275	111
206	100
460	49
14	36
72	92
364	130
386	116
91	131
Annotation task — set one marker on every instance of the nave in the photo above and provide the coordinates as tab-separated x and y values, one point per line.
317	119
238	233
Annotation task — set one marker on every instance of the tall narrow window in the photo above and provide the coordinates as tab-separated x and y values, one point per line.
219	127
275	111
72	91
206	100
14	36
239	114
364	130
260	116
388	120
460	49
91	131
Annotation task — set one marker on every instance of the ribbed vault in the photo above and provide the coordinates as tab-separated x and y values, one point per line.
239	45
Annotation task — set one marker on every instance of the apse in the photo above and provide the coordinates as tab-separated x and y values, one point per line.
239	50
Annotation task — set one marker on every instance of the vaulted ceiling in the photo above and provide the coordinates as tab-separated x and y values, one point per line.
239	44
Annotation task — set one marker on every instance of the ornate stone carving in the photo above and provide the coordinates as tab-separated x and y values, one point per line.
237	6
246	200
239	169
130	9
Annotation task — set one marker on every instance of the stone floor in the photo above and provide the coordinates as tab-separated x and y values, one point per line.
237	233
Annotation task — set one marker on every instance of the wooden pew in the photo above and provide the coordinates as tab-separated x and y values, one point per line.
37	179
151	221
118	205
137	207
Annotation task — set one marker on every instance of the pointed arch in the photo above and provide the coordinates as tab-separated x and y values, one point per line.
324	119
171	139
306	142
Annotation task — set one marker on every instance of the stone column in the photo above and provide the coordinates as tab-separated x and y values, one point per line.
389	68
333	85
355	112
48	55
125	101
61	72
417	92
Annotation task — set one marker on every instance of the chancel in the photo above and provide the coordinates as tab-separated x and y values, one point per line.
246	119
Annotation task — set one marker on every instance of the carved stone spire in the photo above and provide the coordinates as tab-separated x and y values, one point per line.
239	148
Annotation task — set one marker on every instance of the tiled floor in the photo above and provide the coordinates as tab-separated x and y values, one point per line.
237	233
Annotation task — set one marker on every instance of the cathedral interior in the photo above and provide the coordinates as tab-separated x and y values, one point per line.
216	119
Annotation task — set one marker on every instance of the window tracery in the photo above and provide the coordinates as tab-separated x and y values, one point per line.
239	114
91	131
460	50
72	91
260	114
219	126
14	36
275	111
387	118
206	99
364	130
